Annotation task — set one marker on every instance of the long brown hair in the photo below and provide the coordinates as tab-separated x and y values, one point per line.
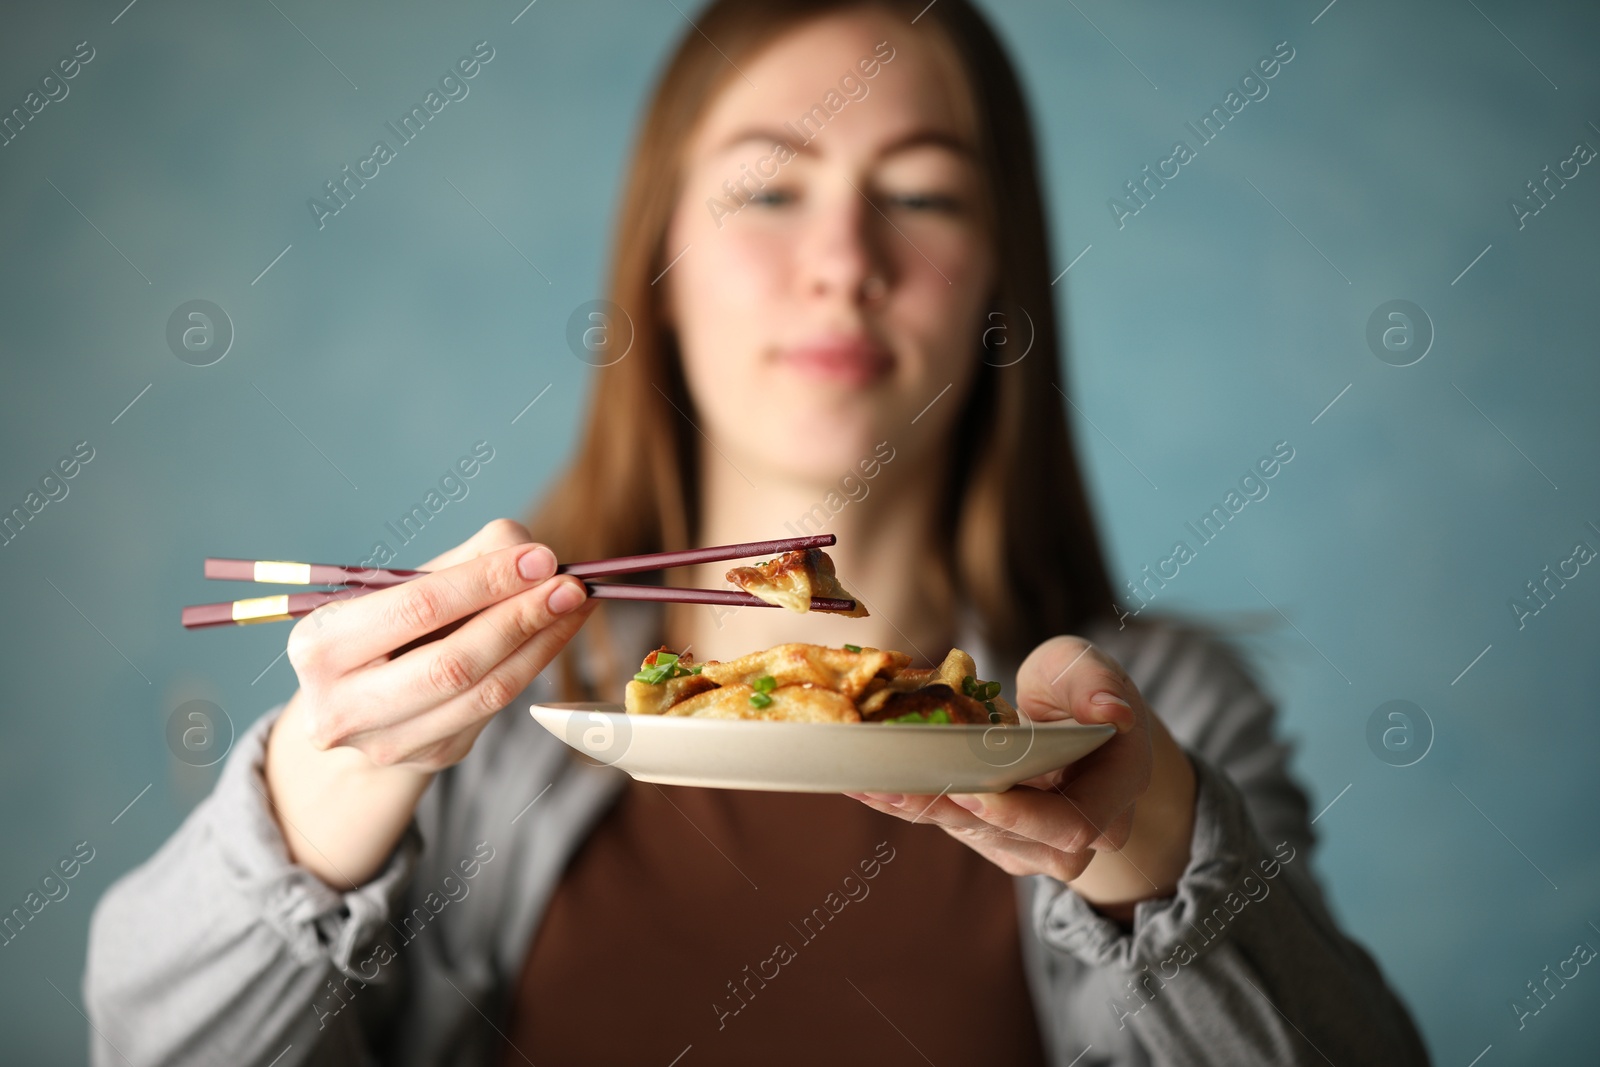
1019	545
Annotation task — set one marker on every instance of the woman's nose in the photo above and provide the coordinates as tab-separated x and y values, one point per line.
841	256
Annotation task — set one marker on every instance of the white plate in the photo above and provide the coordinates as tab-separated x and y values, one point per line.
805	757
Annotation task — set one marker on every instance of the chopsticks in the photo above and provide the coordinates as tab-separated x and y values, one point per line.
358	581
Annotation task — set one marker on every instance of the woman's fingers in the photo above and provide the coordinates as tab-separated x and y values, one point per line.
1023	830
1054	822
473	661
441	735
497	534
1013	851
1109	783
1023	857
1048	817
367	627
1021	813
1066	677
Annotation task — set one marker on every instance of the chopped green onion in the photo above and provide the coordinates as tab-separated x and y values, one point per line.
936	715
765	684
760	700
979	690
666	666
852	648
994	716
696	668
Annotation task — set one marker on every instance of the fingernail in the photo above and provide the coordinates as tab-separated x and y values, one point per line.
1123	723
968	801
567	597
885	798
537	565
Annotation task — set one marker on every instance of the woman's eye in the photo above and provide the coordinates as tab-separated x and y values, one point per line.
772	198
926	202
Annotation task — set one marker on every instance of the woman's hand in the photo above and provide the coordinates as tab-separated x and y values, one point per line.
380	710
1115	825
422	709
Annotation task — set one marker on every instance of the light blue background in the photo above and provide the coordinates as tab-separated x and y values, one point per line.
1203	332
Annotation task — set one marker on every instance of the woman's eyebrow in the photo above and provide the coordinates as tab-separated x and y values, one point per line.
771	135
767	135
929	139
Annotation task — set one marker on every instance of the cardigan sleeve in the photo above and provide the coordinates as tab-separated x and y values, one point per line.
1244	963
220	949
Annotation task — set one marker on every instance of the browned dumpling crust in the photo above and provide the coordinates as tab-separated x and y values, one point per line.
790	703
800	682
790	581
801	664
642	698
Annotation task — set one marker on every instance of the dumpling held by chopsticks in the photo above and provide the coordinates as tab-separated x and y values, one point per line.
792	579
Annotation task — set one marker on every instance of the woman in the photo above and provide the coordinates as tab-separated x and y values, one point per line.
832	210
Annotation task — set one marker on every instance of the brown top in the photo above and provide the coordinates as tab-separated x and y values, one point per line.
773	928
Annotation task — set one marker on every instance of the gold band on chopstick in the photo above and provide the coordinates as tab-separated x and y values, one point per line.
261	608
281	572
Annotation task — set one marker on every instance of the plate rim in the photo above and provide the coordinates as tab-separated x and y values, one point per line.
692	722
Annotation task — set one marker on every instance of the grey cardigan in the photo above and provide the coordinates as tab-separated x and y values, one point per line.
219	950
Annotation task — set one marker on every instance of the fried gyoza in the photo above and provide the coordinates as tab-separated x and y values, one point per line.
679	682
801	664
924	702
788	703
813	683
793	578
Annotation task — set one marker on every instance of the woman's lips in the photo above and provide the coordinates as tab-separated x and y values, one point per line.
853	361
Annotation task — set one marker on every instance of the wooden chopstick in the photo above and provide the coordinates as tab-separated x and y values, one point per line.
652	561
293	605
358	581
266	608
284	572
735	597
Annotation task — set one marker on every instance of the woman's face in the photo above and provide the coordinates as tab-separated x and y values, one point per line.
834	253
